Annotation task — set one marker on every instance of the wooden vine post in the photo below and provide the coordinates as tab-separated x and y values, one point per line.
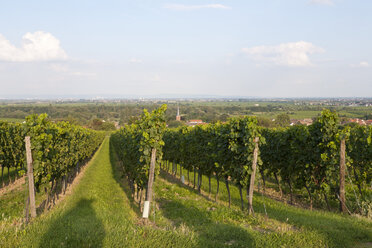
251	185
30	175
146	209
342	177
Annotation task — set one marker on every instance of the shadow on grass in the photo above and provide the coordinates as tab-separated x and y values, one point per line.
339	232
210	233
121	180
187	185
79	227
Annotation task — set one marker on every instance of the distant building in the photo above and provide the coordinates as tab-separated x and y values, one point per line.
194	123
358	121
178	117
306	122
116	123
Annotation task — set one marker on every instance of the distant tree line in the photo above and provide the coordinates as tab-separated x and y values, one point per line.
86	114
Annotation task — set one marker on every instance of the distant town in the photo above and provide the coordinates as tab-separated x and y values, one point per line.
111	113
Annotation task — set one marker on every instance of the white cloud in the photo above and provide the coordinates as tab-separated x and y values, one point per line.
83	74
65	69
38	46
322	2
179	61
156	78
362	64
195	7
59	68
136	61
287	54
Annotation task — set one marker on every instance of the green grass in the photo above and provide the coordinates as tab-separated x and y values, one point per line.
287	226
12	205
17	120
101	213
97	214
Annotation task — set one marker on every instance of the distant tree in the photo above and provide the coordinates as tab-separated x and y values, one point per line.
224	117
174	123
132	120
210	117
70	119
265	122
282	120
108	126
98	124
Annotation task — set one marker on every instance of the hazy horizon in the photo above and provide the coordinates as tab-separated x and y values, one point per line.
167	97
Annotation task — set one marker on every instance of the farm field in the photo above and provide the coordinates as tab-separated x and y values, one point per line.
209	111
100	212
12	120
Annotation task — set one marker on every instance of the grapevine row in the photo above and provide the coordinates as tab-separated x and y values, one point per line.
57	148
299	157
134	145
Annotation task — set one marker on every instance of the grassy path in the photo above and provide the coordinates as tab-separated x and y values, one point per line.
97	214
101	213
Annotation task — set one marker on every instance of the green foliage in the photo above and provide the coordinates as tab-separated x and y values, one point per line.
134	144
101	125
57	148
325	149
309	156
266	122
175	123
243	131
12	149
282	120
359	149
223	149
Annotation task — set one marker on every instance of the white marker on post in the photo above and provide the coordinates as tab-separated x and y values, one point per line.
146	209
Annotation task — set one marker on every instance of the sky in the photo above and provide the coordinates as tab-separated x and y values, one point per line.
235	48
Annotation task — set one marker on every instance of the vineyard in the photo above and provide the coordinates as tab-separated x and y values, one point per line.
298	158
185	171
58	151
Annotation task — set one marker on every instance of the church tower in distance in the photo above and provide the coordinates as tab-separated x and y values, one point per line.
178	117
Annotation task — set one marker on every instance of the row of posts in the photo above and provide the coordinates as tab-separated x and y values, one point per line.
342	199
31	206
